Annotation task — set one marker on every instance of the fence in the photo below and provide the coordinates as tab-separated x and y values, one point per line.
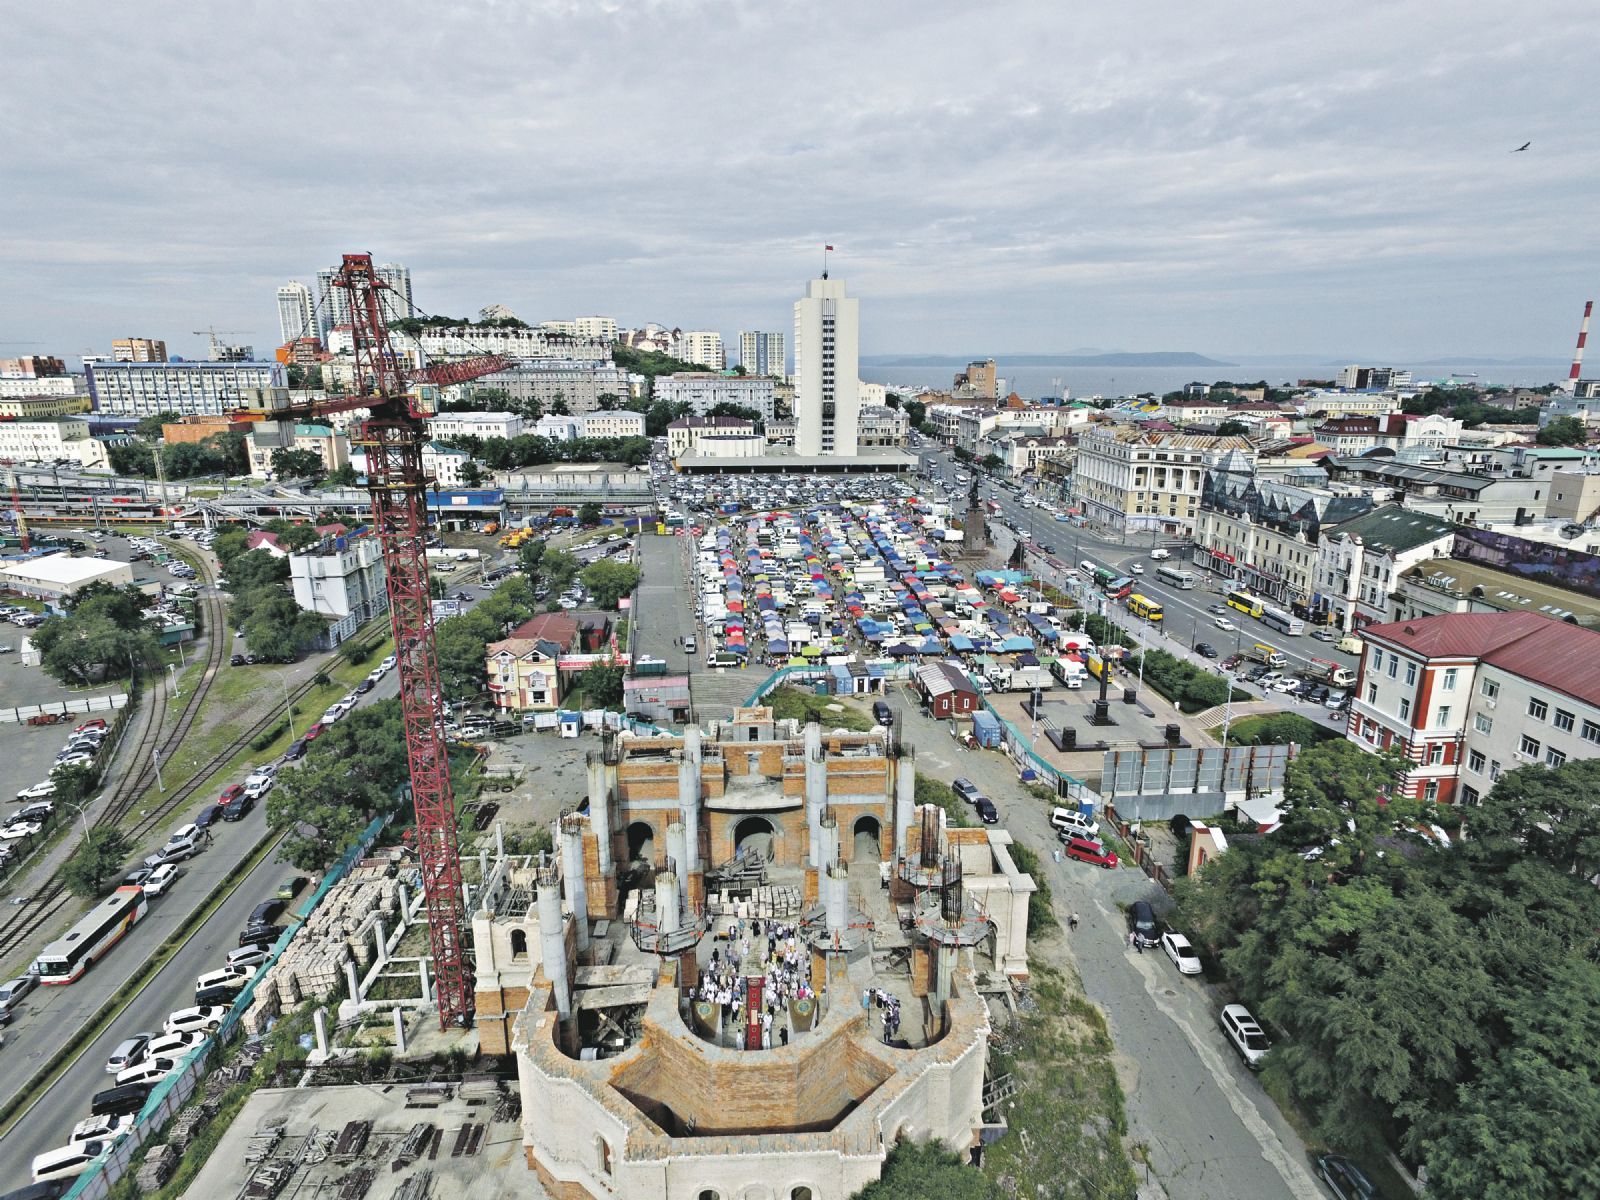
175	1091
63	708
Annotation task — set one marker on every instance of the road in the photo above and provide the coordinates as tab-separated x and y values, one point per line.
50	1016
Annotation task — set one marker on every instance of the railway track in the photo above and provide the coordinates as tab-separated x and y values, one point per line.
48	902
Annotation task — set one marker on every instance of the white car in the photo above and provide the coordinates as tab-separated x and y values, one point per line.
205	1017
387	664
20	827
1136	569
162	878
248	956
224	977
332	715
100	1128
148	1070
1248	1038
15	990
257	786
72	758
39	791
1181	953
1224	623
174	1045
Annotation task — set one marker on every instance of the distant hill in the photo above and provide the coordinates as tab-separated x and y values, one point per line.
1157	358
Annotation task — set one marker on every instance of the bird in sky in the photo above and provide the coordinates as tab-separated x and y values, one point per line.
1522	147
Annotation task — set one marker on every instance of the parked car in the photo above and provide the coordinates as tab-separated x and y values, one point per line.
1346	1180
364	687
1181	953
1205	650
1070	822
966	789
987	813
207	816
1090	850
236	660
881	713
239	807
248	956
290	887
149	1070
1247	1036
127	1053
229	794
15	990
1142	920
161	879
296	750
174	1045
234	974
314	732
38	791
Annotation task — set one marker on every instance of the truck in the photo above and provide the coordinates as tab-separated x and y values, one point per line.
1160	555
1270	655
1323	670
1027	678
1351	644
1070	674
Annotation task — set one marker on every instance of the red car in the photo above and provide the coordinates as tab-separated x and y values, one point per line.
1090	851
87	725
314	732
229	793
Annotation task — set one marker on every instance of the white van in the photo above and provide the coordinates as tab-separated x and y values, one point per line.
1073	822
68	1162
222	977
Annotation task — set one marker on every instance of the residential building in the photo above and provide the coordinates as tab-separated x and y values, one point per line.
599	329
702	347
613	423
1466	697
521	345
763	353
194	430
1360	561
475	424
52	439
685	435
138	350
1454	495
1397	431
972	425
333	308
884	426
296	314
558	428
524	670
143	389
579	384
945	417
704	390
343	579
979	380
1361	379
827	326
1127	478
445	464
32	366
1265	531
268	437
780	432
1455	585
33	408
1349	404
1022	450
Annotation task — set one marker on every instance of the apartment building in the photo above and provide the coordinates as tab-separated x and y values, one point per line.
980	380
1468	696
613	423
139	350
32	366
1128	479
476	424
686	433
1397	431
704	390
1359	378
516	343
1350	404
827	398
33	408
763	353
143	389
52	439
523	670
579	384
884	426
1453	495
703	347
342	579
266	438
1265	530
1359	562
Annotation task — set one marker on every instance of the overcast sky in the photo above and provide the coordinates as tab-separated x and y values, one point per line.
1217	176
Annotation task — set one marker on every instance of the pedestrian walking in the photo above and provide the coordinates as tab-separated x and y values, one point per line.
1072	922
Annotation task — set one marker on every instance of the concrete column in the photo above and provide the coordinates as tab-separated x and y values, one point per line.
499	840
353	982
399	1032
691	744
675	849
827	843
320	1020
816	788
405	905
688	813
422	974
667	902
944	970
905	805
836	897
380	936
572	878
600	809
553	946
483	869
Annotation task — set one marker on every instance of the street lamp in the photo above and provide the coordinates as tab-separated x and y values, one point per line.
83	815
172	680
287	711
155	758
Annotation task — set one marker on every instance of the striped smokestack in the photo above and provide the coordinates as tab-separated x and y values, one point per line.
1577	355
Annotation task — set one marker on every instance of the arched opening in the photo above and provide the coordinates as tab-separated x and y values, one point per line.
753	835
641	842
519	943
867	831
800	1193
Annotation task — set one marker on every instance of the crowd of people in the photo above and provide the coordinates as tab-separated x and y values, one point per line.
770	950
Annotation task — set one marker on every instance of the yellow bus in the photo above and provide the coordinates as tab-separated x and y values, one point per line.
1245	603
1144	607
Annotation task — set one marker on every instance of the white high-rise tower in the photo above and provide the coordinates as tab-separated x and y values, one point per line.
294	313
762	353
334	308
827	401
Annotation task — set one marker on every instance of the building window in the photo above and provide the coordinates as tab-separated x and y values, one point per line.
1394	668
1411	673
1372	693
1554	757
1485	724
1469	795
1449	682
1490	688
1475	761
1529	746
1405	710
1591	732
1436	754
1430	791
1563	720
1538	709
1494	769
800	1193
1377	655
1443	718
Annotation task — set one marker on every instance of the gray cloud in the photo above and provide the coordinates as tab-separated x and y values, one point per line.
1228	176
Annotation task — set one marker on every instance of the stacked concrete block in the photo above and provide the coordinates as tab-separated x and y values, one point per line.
158	1167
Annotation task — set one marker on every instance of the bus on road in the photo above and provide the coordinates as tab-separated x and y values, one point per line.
1120	587
1246	603
1143	607
1102	578
1177	577
1281	621
64	960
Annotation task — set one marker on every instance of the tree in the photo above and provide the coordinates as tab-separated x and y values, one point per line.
74	784
90	643
150	427
558	406
297	464
1553	813
528	556
134	457
917	1170
1233	428
557	569
277	626
601	684
610	580
292	535
98	858
343	476
992	462
916	413
589	513
471	475
1563	431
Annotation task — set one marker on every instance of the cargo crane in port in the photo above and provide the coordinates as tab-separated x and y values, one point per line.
392	435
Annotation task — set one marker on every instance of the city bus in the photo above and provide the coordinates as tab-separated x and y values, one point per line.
1120	587
1177	577
64	960
1245	603
1103	578
1281	621
1144	607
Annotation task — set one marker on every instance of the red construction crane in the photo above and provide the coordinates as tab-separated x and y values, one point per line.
393	436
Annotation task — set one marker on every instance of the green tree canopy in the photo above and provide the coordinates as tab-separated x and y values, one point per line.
610	580
97	860
150	427
1563	431
297	464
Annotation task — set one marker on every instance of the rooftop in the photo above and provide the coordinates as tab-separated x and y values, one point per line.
1506	590
1554	654
1394	528
63	569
